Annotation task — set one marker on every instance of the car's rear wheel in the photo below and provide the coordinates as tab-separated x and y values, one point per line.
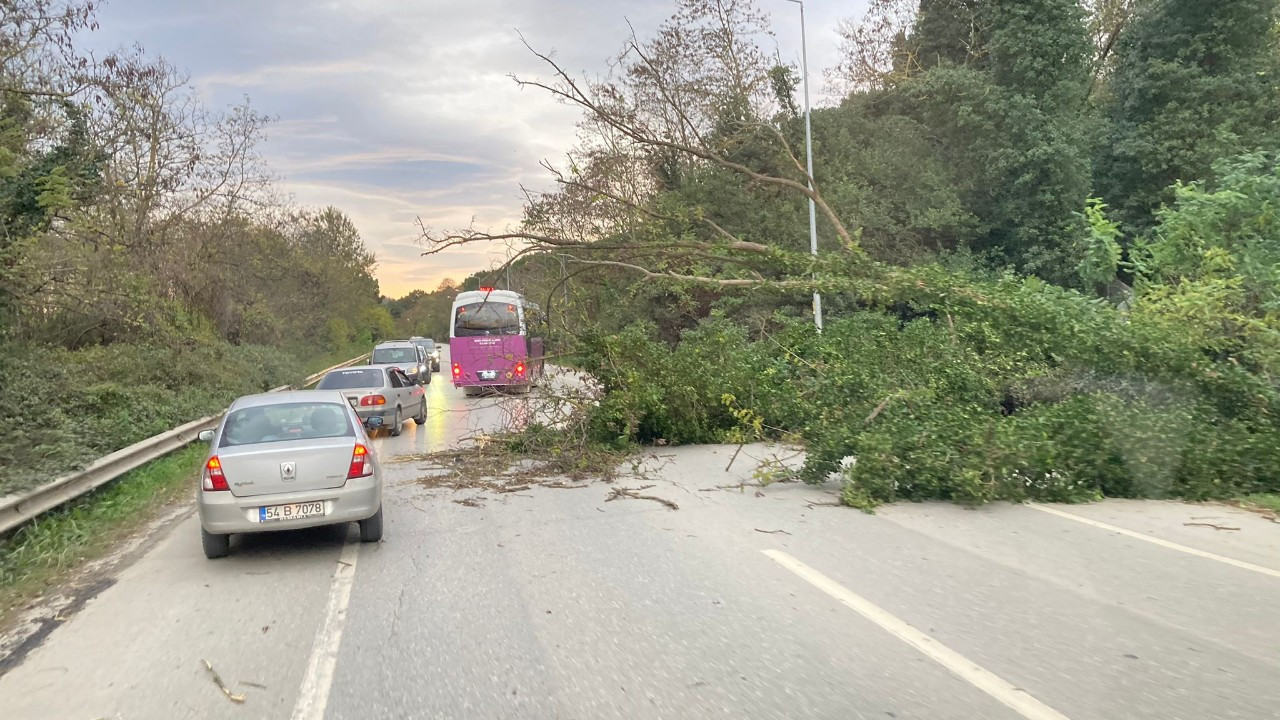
371	528
215	546
395	424
421	417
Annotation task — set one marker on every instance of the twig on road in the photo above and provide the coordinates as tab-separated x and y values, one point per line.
237	698
740	487
634	494
1215	527
772	532
735	456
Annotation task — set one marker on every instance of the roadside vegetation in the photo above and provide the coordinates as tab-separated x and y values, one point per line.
1049	247
43	553
1267	503
150	270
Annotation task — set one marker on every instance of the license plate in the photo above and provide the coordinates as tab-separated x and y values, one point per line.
488	374
295	511
354	402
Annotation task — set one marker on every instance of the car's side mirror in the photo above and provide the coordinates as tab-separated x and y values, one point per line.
373	423
206	436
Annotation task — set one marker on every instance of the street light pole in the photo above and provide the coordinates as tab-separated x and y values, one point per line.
808	149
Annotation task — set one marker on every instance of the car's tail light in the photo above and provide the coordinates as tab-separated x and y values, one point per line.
457	370
368	400
213	479
361	465
519	368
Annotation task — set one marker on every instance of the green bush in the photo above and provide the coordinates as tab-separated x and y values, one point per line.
1030	392
60	409
934	381
653	392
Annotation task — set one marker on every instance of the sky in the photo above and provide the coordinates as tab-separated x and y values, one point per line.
393	110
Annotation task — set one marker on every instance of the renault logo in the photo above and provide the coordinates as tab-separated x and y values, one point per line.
288	471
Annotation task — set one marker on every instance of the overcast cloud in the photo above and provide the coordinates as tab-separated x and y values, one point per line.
397	109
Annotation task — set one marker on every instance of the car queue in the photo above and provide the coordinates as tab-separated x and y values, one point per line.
283	461
291	460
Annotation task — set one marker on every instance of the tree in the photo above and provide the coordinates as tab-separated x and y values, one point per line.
950	32
691	106
1107	22
1193	82
874	50
1001	87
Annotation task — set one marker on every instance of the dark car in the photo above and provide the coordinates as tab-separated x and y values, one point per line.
430	348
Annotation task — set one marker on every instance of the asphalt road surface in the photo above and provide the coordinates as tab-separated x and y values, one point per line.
552	603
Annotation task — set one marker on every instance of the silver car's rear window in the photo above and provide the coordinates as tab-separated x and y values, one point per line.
349	379
286	421
394	356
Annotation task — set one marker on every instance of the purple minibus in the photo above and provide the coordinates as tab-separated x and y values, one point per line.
491	343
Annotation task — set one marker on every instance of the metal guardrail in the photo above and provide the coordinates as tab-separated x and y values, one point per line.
18	509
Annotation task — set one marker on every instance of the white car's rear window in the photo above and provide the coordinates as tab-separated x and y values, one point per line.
351	379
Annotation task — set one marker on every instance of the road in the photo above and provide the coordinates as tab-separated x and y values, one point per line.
553	603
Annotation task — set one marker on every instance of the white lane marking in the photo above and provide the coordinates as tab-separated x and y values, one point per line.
313	696
986	681
1157	541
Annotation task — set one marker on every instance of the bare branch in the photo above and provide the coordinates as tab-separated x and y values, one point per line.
736	243
572	92
648	274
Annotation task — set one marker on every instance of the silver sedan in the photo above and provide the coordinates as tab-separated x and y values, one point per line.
382	395
285	461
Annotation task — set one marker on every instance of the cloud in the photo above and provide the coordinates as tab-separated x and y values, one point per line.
394	111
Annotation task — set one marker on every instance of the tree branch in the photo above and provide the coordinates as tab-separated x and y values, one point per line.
648	274
573	93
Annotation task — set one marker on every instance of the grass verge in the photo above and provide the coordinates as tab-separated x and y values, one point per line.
1265	501
45	552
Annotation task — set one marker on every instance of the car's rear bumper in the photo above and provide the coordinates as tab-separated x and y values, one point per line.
223	513
502	382
386	412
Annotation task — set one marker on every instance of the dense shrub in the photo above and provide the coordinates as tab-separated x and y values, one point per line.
60	409
951	386
653	392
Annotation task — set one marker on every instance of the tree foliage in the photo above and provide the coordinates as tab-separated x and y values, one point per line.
144	253
1011	312
129	210
1193	82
